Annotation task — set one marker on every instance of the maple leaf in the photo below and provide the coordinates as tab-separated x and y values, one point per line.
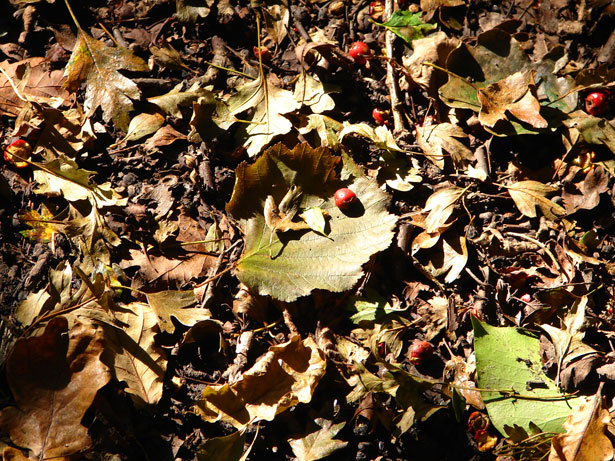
529	194
320	443
97	64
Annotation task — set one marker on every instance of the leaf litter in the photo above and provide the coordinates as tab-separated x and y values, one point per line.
172	256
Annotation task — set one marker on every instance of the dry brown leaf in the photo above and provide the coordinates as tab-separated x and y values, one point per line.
434	48
429	6
585	438
34	81
586	195
435	140
174	303
133	354
97	65
54	378
515	94
163	137
286	375
528	195
144	124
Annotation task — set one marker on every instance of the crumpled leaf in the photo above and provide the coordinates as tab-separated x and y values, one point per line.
297	262
310	91
320	443
585	438
440	206
381	135
174	303
172	101
434	49
35	82
568	341
515	94
54	378
529	195
134	356
63	176
451	259
97	65
268	120
435	140
286	375
586	195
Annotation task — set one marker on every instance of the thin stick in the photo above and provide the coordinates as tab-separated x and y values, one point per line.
391	80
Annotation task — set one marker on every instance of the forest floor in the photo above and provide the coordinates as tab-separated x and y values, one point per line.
179	280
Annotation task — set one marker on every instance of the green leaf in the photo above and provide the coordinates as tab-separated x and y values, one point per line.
508	359
287	265
407	26
369	308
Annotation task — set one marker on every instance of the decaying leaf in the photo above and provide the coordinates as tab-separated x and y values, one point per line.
585	438
134	356
34	81
515	94
320	443
97	65
435	140
286	375
54	378
529	195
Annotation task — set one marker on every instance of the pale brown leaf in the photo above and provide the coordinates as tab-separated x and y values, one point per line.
286	375
585	438
437	140
515	94
440	206
97	65
529	195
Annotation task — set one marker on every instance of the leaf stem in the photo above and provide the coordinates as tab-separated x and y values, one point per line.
227	69
72	15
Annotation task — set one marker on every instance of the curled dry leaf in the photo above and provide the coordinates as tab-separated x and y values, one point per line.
435	140
54	378
440	206
286	375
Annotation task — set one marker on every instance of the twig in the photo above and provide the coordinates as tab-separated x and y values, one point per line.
391	81
288	320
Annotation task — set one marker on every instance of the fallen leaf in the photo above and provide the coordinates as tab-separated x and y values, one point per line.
435	140
529	195
440	206
173	303
227	448
97	65
134	356
585	438
143	125
586	195
320	443
34	81
311	92
286	375
54	378
515	94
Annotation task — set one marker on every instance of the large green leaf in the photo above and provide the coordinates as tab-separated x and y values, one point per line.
508	359
291	264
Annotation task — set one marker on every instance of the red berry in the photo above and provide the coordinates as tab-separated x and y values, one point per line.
344	197
597	103
357	52
381	117
420	351
17	150
526	298
263	51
